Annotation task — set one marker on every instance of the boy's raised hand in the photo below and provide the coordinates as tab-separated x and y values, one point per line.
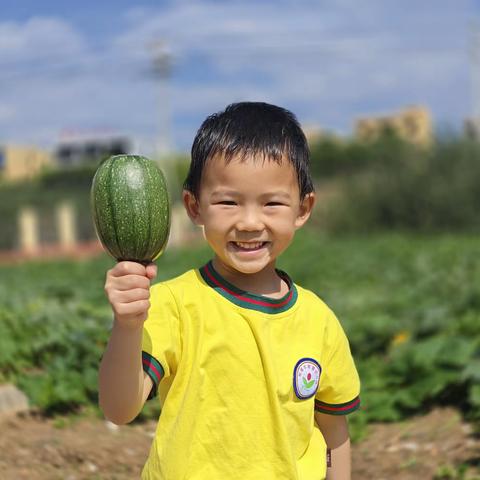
127	287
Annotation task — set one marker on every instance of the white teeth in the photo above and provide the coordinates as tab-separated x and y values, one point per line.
249	246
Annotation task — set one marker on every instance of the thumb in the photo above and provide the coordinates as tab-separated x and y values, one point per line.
151	270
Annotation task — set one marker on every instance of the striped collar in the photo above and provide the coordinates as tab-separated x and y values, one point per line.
249	300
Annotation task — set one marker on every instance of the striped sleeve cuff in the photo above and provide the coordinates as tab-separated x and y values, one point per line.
154	370
339	408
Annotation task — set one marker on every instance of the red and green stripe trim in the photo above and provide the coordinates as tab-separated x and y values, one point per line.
339	408
249	300
154	370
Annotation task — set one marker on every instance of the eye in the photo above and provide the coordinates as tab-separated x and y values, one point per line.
226	202
274	204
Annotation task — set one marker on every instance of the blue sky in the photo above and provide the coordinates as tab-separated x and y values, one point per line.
87	66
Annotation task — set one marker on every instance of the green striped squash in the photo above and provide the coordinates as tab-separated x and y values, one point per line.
131	208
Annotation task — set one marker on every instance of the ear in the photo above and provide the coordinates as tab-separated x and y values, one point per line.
192	207
306	207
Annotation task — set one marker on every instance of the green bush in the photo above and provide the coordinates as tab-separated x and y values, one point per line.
395	186
332	157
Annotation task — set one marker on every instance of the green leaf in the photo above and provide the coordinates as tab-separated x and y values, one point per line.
474	395
310	384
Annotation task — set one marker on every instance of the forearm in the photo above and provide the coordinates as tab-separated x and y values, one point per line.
340	463
334	429
121	375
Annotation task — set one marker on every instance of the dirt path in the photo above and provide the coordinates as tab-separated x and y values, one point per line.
79	449
436	446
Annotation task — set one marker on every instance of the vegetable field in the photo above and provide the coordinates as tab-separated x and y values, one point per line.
410	306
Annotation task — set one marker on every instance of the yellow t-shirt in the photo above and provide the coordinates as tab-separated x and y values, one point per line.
238	377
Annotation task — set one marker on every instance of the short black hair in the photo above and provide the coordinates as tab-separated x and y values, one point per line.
251	129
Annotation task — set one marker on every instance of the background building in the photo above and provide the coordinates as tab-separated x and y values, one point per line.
83	149
412	124
20	162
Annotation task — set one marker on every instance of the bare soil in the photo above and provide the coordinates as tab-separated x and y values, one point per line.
436	446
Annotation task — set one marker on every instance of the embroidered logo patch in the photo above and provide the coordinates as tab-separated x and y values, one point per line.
306	376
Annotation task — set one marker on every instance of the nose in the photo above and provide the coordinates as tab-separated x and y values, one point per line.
250	220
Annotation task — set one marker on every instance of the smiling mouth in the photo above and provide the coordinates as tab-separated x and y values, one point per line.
248	246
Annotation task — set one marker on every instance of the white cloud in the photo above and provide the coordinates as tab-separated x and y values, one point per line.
326	60
43	39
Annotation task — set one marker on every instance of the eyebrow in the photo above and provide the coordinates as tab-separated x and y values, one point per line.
279	193
233	193
220	193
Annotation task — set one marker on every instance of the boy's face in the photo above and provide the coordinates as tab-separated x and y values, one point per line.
249	211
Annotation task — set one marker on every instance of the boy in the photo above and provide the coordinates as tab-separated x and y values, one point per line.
254	373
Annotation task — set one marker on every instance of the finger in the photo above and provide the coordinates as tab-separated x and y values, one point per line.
133	308
151	271
128	296
129	282
128	268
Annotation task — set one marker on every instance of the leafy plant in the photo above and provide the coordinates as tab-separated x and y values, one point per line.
409	304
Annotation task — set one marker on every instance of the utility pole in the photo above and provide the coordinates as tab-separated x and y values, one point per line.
162	68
